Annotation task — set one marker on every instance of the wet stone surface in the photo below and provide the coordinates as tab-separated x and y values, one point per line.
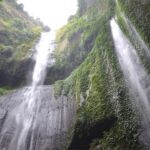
40	125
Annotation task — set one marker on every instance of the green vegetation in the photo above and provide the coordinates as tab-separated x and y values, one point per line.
18	34
138	12
5	90
123	13
76	39
106	119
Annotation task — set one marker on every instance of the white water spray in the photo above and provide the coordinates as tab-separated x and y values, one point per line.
44	47
137	39
26	114
136	76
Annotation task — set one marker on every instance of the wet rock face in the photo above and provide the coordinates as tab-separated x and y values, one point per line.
14	73
49	125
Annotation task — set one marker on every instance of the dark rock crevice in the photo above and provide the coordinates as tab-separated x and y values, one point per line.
82	139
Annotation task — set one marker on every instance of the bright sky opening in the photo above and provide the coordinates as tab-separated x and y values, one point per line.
53	13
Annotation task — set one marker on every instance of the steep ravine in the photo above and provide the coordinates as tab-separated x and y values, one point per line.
100	83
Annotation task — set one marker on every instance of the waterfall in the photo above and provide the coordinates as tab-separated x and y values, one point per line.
28	111
43	48
136	38
31	118
136	76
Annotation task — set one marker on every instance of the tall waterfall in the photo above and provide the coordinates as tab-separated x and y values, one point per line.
31	118
136	76
43	48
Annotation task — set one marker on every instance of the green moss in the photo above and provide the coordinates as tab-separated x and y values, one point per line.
127	27
76	39
138	12
58	88
5	90
100	81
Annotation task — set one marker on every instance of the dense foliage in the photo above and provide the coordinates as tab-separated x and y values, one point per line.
18	33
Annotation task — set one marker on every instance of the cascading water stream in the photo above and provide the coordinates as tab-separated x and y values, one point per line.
26	113
136	76
44	47
31	118
31	106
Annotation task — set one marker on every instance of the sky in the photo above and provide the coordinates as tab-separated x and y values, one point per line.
53	13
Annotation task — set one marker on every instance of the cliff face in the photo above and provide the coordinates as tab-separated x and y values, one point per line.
18	33
106	118
52	118
85	54
77	38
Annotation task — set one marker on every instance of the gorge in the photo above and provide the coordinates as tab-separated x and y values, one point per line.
90	82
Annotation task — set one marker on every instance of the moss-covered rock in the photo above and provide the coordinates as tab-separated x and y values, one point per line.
106	118
138	12
76	39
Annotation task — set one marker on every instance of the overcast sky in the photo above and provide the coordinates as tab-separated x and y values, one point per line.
53	13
